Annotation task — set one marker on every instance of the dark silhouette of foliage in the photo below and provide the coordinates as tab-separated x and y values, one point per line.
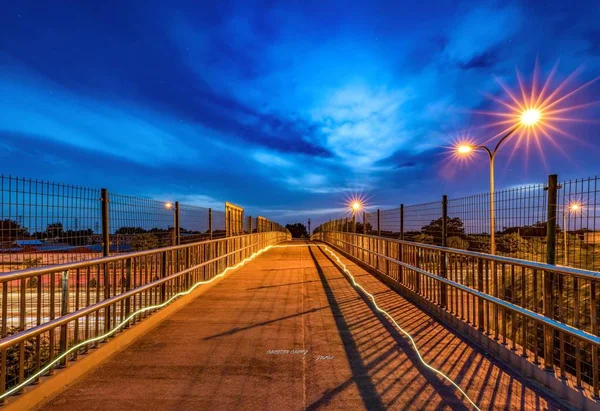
130	230
359	227
144	241
457	242
298	230
11	230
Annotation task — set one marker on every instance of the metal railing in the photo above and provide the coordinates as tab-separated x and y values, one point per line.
47	311
543	312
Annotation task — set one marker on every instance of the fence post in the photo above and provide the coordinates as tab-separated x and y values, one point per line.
444	287
548	299
227	225
105	228
210	223
64	310
401	221
400	257
364	223
177	225
105	253
551	223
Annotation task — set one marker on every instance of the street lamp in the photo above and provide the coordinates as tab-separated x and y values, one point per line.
571	208
528	118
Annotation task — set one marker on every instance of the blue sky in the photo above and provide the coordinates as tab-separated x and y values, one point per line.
286	108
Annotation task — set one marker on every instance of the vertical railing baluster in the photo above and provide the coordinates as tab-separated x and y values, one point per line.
3	332
64	310
594	320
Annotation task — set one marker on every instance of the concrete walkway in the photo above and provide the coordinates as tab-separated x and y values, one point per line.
289	332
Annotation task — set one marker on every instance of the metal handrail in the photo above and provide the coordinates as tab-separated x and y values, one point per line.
35	271
578	272
515	308
65	319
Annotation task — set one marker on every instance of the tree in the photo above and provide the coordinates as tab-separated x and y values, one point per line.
511	243
423	238
130	230
457	242
359	227
54	230
144	241
454	226
298	230
11	230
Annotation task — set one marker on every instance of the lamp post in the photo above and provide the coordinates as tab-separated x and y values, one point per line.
568	209
175	209
528	119
355	207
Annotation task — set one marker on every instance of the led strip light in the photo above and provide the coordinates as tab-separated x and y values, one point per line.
238	265
414	344
118	327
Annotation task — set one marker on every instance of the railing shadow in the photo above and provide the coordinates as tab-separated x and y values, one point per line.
382	360
490	383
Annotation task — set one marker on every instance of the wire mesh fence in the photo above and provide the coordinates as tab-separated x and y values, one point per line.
195	223
521	223
45	223
139	223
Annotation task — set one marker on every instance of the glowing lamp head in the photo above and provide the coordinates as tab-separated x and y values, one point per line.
464	148
356	206
530	117
169	205
575	207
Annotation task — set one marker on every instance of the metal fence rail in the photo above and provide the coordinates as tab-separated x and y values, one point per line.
47	310
45	223
546	313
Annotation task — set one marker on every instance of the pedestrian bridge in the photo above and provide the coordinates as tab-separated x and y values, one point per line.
260	322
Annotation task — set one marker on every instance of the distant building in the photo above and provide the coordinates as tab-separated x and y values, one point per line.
593	237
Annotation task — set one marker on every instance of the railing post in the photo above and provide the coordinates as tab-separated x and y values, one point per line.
444	287
210	223
548	298
480	299
594	322
64	310
163	274
127	287
3	331
105	227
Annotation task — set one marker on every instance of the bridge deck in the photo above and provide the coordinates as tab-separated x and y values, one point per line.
215	352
